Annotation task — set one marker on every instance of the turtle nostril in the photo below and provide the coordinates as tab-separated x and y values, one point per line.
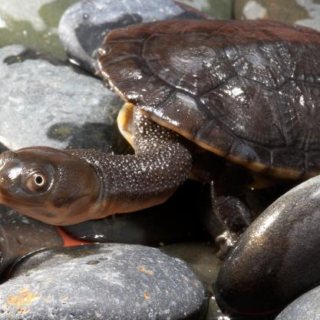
5	157
2	162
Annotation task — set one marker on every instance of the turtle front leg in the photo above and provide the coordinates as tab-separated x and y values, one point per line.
235	217
64	187
133	182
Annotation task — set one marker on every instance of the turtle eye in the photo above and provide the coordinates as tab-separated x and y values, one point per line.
37	182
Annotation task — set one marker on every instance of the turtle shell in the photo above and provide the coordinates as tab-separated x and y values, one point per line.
245	90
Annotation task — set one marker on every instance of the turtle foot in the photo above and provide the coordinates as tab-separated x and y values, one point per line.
226	242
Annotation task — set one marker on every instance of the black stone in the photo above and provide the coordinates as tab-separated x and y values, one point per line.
278	258
111	282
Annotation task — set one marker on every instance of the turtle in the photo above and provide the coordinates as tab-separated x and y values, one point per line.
238	92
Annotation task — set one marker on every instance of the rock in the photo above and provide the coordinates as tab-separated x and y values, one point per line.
33	24
278	258
175	220
306	307
102	282
302	12
219	9
54	105
84	25
20	235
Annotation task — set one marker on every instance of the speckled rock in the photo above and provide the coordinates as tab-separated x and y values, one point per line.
21	235
306	307
54	105
32	23
84	25
302	12
102	282
175	220
278	258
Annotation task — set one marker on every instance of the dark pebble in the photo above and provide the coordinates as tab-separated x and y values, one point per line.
306	307
111	282
278	258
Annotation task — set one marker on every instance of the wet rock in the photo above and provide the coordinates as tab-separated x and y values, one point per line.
21	235
302	12
84	25
32	23
54	105
175	220
219	9
278	258
102	282
306	307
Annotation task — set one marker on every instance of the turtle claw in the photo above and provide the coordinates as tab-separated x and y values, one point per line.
226	242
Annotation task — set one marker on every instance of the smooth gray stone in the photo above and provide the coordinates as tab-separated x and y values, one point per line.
277	258
44	102
113	282
84	25
306	307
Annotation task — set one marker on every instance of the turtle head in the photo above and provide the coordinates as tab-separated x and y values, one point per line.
48	184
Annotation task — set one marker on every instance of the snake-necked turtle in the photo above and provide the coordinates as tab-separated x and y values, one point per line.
244	91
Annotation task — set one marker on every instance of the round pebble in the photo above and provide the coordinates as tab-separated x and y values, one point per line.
306	307
277	258
126	282
54	105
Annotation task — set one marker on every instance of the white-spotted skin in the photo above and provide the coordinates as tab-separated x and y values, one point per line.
132	182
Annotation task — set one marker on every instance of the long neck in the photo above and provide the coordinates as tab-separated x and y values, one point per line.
133	182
